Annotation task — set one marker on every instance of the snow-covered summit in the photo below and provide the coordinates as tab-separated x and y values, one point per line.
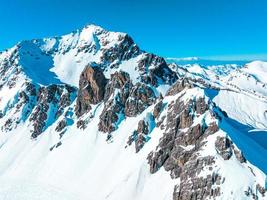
63	58
258	70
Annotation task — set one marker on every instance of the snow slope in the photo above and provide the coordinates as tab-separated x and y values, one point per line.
82	162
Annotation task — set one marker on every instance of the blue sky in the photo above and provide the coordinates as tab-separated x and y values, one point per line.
170	28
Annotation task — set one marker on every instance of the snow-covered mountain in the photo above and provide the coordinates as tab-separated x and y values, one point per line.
91	116
204	61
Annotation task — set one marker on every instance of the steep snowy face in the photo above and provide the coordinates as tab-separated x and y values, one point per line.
251	78
91	116
62	59
91	45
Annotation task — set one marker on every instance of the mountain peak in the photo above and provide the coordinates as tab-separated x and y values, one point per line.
113	114
93	27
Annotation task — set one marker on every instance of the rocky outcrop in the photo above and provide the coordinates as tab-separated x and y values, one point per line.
183	139
155	71
179	86
123	99
140	136
110	116
178	149
239	155
61	125
117	92
201	106
125	50
91	89
194	186
56	145
51	101
65	99
81	124
119	81
8	125
157	109
223	147
141	96
261	189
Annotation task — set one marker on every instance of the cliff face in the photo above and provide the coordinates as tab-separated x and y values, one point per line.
90	115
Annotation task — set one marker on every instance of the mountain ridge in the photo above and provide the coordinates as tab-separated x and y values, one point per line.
111	121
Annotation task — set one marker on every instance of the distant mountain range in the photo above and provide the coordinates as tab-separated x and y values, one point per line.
207	62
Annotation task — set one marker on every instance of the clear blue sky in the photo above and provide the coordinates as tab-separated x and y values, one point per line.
170	28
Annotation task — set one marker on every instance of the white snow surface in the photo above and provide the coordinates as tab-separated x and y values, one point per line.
85	165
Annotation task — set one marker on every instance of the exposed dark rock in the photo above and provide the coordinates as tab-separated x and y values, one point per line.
193	186
179	86
223	112
39	117
61	125
190	137
125	50
55	146
31	88
139	142
167	142
51	148
261	189
186	118
142	127
157	109
12	82
239	155
132	138
65	100
185	162
141	97
160	73
58	144
115	101
109	138
142	131
23	99
91	89
51	100
61	134
140	136
248	192
223	147
156	160
109	117
119	80
212	128
8	125
81	124
201	106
